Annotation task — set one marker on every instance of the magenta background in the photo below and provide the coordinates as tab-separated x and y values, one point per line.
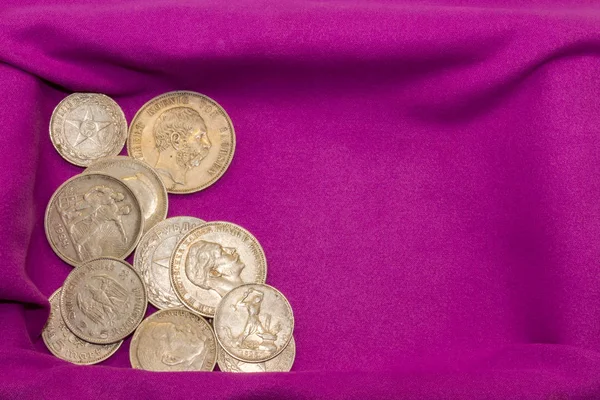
423	179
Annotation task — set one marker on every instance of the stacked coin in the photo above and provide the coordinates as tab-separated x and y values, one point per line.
206	278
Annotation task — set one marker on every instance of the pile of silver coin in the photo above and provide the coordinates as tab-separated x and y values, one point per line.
207	279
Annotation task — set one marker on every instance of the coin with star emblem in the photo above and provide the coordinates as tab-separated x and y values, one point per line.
87	126
151	259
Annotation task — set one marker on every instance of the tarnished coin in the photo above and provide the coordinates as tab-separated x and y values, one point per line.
142	180
187	137
87	126
93	215
254	323
151	259
103	300
173	340
281	363
63	344
213	259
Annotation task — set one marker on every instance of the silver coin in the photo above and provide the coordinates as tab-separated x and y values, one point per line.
143	181
87	126
151	259
93	215
187	137
103	300
281	363
173	340
213	259
254	323
63	344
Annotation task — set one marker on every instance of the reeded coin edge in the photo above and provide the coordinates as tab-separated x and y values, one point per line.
215	323
138	264
253	239
134	345
215	178
118	108
116	160
116	345
68	260
129	331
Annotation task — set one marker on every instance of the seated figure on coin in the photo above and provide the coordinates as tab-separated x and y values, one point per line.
182	142
257	334
176	347
214	267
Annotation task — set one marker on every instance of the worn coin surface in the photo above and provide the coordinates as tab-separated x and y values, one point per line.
151	259
186	136
87	126
63	344
103	300
142	180
254	323
211	260
281	363
93	215
174	340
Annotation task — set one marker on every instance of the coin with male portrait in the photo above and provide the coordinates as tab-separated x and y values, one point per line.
213	259
173	340
186	137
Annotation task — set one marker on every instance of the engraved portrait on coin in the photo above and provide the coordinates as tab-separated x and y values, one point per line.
186	137
173	340
92	215
143	182
254	323
213	259
103	300
281	363
65	345
87	126
151	259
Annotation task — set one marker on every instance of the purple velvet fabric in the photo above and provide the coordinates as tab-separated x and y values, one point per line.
423	178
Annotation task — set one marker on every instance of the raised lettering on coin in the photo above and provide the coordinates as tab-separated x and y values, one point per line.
103	300
93	215
63	344
186	136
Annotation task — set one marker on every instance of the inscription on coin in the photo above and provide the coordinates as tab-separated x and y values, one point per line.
281	363
187	137
103	300
173	340
254	323
87	126
93	215
63	344
151	259
143	182
213	259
